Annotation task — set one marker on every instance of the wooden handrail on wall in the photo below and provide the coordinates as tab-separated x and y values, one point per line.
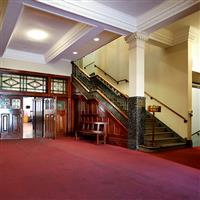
185	120
125	80
88	65
196	133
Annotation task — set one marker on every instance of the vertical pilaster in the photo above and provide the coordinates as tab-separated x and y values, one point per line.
192	36
136	102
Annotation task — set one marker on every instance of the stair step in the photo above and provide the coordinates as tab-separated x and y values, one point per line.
150	122
159	135
157	129
158	141
163	139
172	144
148	119
162	147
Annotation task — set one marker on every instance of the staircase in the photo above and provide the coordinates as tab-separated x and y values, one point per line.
164	137
116	103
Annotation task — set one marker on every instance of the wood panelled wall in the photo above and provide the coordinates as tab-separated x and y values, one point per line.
92	110
69	118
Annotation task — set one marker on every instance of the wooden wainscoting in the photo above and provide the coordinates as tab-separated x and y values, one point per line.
92	110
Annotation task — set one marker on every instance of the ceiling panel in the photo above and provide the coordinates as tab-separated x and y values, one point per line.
31	18
133	8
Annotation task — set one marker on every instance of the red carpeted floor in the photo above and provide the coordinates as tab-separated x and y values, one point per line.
65	169
188	156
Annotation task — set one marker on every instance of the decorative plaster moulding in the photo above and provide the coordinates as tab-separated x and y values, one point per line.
136	39
163	12
103	14
162	37
136	36
74	34
165	38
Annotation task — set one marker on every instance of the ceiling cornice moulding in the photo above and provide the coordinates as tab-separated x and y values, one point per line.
162	37
165	38
74	34
165	11
103	14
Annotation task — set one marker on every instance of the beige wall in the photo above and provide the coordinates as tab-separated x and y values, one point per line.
166	78
113	59
167	74
59	68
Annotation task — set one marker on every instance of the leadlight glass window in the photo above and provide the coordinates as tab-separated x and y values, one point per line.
22	83
16	103
58	86
35	84
4	102
10	82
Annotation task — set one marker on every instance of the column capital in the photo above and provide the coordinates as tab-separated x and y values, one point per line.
136	36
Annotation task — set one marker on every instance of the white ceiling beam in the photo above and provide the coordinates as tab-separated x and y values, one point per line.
12	14
102	14
71	37
165	13
78	46
90	47
67	11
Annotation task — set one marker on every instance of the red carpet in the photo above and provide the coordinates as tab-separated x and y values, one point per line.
189	156
65	169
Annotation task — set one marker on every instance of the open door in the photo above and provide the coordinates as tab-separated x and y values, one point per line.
50	117
11	113
38	119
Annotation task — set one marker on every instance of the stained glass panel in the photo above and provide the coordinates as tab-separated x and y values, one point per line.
10	82
16	103
35	84
4	103
58	86
22	83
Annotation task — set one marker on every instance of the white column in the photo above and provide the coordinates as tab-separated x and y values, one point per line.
136	43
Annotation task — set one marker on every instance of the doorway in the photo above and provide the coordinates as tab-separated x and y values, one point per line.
39	117
32	117
28	117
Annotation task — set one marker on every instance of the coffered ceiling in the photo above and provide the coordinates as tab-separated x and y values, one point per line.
70	26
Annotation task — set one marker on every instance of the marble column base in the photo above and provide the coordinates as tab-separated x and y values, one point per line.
136	113
188	143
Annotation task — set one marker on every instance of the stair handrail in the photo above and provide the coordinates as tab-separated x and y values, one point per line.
111	76
161	103
122	113
122	94
196	133
126	96
88	65
103	96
